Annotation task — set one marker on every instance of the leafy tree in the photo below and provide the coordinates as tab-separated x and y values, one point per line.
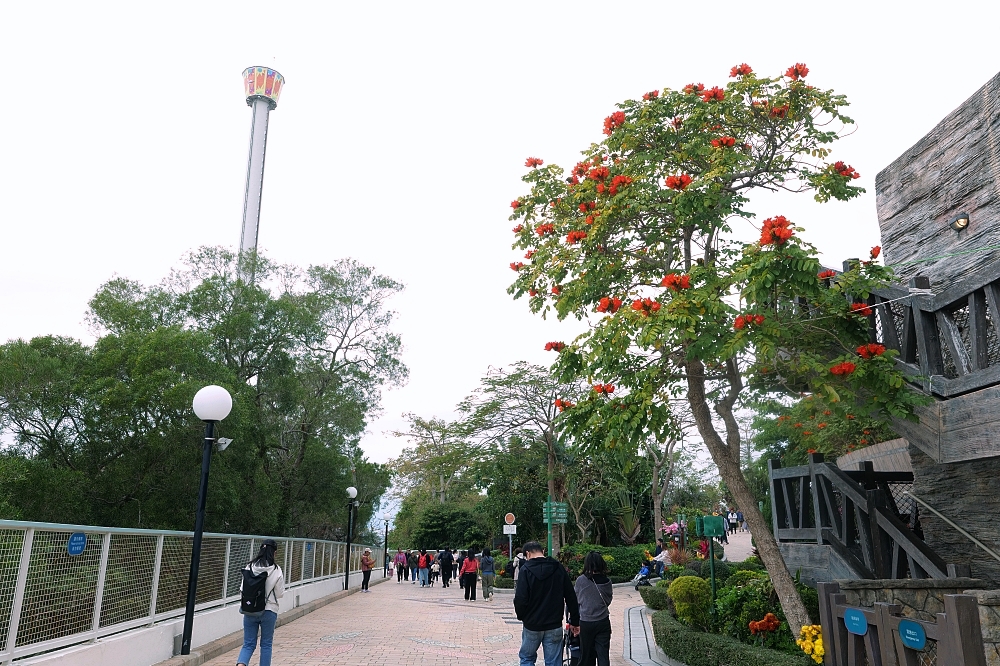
514	475
437	459
639	234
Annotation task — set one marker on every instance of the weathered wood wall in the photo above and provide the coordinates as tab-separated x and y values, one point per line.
889	456
954	169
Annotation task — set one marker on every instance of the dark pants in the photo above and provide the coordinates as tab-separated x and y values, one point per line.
595	643
445	574
469	583
400	572
365	577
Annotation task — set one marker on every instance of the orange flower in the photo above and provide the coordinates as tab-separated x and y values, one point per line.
877	250
678	182
797	71
740	70
533	162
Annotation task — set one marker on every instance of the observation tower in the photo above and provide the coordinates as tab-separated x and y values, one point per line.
263	87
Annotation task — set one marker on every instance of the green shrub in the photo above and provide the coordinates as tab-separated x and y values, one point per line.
692	598
656	598
624	561
739	605
741	578
751	564
810	598
664	582
722	572
696	648
615	580
504	583
695	565
689	572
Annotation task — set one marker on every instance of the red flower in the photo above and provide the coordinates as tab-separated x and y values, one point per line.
871	350
693	88
652	94
776	230
555	346
827	413
518	229
740	70
820	425
515	204
779	111
599	173
608	304
573	180
724	142
846	170
677	122
827	274
797	71
556	289
676	281
758	319
850	417
844	368
590	219
646	306
533	162
678	182
563	404
739	322
619	182
591	205
860	309
604	388
877	250
574	237
580	169
809	450
529	254
716	93
798	425
807	433
516	266
600	188
616	119
532	293
543	229
867	432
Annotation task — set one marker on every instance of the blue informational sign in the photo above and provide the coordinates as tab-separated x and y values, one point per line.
912	634
77	543
855	621
309	546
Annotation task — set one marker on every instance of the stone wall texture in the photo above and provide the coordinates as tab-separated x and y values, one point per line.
989	618
968	493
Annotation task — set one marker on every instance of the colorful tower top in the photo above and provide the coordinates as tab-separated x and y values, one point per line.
262	83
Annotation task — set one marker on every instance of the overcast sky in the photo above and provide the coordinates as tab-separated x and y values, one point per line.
400	139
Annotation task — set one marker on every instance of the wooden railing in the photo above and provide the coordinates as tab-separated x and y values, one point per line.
858	515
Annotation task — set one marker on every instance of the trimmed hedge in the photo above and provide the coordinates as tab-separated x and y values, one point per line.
656	598
624	561
696	648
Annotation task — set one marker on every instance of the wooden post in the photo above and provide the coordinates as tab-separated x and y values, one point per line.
814	480
965	635
884	612
828	620
925	326
776	501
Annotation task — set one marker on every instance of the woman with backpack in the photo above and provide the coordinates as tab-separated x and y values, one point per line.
263	584
411	560
424	566
470	569
488	570
367	564
594	592
458	568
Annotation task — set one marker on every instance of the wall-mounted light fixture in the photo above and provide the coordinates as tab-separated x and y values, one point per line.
960	222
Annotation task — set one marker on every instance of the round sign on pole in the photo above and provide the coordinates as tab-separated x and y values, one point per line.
76	544
509	519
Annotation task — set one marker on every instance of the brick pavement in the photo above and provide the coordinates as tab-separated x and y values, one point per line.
403	625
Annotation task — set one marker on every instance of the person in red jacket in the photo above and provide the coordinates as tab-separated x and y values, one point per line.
470	569
424	567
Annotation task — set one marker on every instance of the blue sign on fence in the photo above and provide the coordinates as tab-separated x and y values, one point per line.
912	635
855	621
309	547
77	543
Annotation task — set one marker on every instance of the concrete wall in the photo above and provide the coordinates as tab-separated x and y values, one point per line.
151	645
815	563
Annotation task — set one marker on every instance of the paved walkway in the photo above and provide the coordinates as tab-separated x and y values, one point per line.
403	625
739	547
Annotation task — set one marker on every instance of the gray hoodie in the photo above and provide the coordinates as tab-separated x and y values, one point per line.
275	586
594	596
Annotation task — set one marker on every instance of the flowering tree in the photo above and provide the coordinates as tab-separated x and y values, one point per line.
637	239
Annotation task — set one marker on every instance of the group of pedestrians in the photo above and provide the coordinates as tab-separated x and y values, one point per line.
448	566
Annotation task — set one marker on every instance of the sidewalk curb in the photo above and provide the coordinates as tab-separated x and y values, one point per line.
221	646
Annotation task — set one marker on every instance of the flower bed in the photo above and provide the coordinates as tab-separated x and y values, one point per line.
698	648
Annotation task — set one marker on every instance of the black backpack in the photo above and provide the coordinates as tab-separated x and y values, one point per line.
508	570
253	599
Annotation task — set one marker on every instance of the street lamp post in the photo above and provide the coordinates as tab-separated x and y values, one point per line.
211	404
352	504
385	547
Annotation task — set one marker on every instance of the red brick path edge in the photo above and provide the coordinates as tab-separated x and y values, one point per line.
221	646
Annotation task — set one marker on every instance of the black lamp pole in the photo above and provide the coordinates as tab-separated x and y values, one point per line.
385	551
350	533
199	524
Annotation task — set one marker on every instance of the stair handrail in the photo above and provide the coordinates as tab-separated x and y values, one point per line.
961	531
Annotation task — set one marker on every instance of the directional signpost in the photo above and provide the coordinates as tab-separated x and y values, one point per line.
510	529
554	513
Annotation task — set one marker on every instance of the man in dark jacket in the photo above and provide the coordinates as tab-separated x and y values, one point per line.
447	561
543	590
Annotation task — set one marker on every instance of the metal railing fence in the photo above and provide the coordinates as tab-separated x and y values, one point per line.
124	579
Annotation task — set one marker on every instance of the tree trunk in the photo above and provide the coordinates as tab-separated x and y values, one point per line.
657	500
726	455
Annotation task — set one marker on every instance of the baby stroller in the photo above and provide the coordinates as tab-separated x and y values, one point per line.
642	578
571	648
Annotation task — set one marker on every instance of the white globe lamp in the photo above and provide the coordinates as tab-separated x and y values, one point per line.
212	403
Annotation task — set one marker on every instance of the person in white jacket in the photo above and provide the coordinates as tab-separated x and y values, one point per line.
263	623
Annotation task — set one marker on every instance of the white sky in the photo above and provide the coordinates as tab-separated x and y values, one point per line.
400	138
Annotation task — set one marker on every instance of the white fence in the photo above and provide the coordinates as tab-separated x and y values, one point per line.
124	579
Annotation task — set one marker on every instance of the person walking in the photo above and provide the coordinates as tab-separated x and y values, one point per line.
740	521
470	568
447	564
518	561
656	553
424	567
454	565
487	569
435	569
367	564
402	566
460	562
731	517
543	590
412	560
594	592
264	621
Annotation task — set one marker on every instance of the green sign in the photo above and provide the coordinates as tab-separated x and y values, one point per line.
555	512
710	526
